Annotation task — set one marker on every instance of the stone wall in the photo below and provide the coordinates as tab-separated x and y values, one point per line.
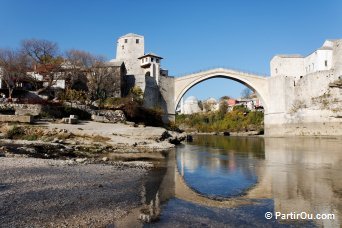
23	109
167	103
309	106
16	118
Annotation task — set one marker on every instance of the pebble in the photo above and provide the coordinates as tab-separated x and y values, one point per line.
81	160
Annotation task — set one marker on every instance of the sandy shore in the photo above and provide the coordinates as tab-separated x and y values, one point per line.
119	134
68	183
51	193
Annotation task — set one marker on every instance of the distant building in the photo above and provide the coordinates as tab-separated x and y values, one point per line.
210	104
190	106
231	103
297	65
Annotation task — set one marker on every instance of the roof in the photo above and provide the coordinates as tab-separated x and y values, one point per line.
325	48
150	54
191	99
289	56
114	62
131	35
212	100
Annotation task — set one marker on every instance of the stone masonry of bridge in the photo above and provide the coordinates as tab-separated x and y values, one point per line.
303	95
309	104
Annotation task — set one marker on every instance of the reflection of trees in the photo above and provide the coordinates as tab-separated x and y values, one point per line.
229	159
247	146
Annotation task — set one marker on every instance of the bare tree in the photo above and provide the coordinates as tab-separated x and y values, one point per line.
246	93
100	80
45	57
14	66
79	63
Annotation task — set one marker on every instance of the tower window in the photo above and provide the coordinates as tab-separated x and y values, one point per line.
326	63
157	60
137	41
123	47
126	41
152	59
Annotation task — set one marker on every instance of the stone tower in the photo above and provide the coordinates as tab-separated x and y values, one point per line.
129	48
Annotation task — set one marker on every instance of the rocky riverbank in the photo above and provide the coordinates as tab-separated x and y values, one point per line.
85	175
90	141
53	193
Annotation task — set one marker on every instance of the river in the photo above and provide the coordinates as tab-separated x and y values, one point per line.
219	181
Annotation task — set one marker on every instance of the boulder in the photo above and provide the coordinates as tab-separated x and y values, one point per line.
109	116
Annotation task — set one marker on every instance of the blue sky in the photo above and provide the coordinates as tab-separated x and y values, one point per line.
190	35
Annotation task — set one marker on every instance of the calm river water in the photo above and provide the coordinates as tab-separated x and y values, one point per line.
219	181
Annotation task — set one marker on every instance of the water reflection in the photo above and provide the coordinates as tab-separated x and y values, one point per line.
305	175
298	174
277	175
220	167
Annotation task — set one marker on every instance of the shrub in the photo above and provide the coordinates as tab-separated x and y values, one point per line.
7	111
14	132
30	137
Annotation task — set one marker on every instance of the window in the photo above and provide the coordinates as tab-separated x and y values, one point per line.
126	41
137	41
152	59
123	47
326	63
157	60
276	71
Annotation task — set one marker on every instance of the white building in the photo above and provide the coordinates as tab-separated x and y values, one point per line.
297	65
210	104
151	65
190	106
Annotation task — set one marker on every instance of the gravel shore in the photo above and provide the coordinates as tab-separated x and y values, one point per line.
51	193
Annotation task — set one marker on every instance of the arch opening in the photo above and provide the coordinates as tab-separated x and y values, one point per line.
206	78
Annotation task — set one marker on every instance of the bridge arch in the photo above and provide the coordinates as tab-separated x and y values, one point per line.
255	82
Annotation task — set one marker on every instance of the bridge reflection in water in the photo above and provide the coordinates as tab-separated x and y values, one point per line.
298	174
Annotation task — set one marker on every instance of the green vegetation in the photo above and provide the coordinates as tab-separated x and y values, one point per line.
238	120
14	132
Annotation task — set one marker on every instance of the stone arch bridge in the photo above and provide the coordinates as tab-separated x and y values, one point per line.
257	83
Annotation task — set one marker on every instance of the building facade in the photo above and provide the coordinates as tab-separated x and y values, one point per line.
298	66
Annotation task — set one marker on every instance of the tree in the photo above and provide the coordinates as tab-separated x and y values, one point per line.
45	57
72	96
200	104
224	98
79	62
223	108
137	94
14	66
246	93
100	80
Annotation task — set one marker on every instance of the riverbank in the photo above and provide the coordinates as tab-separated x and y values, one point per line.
49	193
89	175
87	140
